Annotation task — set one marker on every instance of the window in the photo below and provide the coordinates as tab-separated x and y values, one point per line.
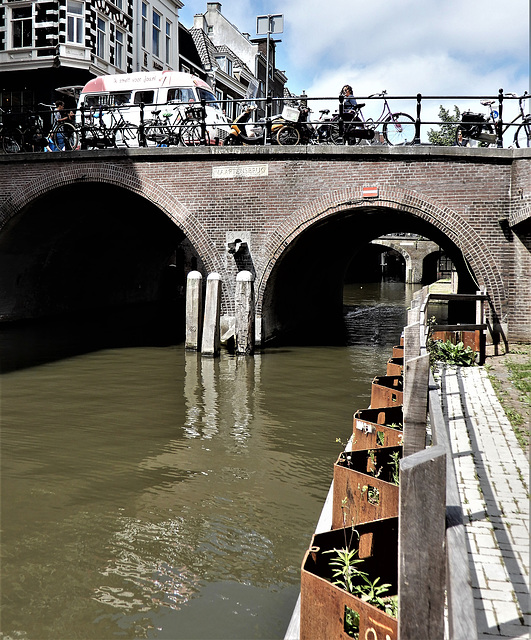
118	3
168	42
22	27
225	64
144	96
74	22
119	49
144	24
181	95
157	19
101	40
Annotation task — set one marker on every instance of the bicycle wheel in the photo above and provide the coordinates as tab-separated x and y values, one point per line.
522	137
12	141
288	135
155	134
461	137
66	137
399	129
191	135
125	134
334	136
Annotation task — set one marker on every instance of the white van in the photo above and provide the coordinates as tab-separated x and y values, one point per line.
120	96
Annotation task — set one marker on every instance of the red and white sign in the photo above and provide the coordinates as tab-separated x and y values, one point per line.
370	192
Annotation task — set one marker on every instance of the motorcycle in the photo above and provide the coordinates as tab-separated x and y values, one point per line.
477	127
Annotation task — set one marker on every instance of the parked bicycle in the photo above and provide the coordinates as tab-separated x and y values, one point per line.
398	128
22	132
186	128
479	129
63	136
105	127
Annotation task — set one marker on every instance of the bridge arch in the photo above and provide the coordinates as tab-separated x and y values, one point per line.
446	224
118	176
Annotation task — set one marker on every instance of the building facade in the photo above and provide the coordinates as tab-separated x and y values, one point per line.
236	65
47	44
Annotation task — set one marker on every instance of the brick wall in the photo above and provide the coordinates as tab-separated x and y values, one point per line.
466	200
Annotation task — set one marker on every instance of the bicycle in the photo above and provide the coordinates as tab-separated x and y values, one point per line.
98	134
11	139
478	129
63	136
398	128
185	129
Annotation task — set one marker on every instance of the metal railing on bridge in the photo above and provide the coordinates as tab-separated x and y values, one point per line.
284	121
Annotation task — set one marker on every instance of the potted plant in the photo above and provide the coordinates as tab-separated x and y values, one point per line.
349	583
365	486
379	427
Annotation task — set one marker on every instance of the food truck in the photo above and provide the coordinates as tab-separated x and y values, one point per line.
136	96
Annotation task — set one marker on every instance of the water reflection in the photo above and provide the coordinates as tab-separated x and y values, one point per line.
151	493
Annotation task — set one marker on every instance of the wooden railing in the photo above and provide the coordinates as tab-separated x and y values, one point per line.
435	598
434	569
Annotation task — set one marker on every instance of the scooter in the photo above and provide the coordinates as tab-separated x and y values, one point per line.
243	131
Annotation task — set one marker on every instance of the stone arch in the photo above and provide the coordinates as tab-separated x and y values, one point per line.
448	221
396	247
119	176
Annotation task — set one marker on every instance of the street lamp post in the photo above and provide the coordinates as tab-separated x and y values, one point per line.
267	25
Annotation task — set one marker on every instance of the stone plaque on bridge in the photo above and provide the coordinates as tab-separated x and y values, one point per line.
249	171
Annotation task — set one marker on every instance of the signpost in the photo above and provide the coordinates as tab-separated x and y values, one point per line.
267	25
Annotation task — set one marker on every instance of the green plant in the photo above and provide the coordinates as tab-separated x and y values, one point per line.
395	467
446	134
450	353
344	570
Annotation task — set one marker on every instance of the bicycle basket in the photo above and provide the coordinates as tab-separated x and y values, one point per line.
290	114
194	113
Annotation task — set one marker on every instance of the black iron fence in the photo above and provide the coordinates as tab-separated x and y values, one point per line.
142	124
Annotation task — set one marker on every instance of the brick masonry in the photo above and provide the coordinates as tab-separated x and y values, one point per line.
479	199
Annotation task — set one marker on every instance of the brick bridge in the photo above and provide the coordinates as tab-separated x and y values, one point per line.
94	229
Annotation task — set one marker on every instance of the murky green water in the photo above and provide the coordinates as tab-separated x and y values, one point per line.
149	493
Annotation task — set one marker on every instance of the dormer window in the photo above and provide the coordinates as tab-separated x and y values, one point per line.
225	64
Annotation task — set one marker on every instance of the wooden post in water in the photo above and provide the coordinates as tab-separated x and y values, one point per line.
244	308
210	345
416	377
194	311
421	551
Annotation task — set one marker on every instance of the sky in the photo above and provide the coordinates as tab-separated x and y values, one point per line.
432	47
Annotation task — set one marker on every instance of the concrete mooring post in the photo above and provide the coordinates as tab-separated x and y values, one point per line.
194	311
210	345
244	308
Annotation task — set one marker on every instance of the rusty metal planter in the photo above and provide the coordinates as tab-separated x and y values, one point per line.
398	351
386	391
395	366
371	428
359	496
323	605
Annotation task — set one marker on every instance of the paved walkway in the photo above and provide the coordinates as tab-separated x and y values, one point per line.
493	477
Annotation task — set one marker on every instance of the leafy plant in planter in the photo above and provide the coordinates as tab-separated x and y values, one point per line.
365	485
347	576
456	354
349	582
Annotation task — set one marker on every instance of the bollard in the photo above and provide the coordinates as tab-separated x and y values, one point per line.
210	344
244	307
194	310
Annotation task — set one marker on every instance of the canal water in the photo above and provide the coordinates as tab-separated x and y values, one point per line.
149	493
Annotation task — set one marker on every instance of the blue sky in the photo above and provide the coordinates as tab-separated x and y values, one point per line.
433	47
